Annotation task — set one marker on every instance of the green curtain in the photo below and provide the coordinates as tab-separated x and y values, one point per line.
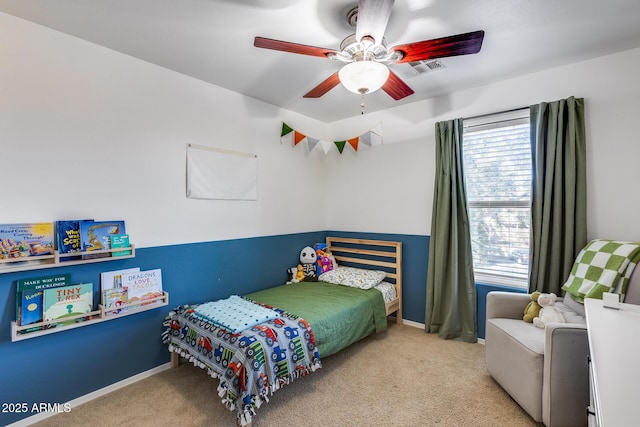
451	291
559	192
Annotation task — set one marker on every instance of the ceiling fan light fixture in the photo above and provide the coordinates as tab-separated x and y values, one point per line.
363	76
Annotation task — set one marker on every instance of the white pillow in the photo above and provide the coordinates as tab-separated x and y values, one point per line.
354	277
387	289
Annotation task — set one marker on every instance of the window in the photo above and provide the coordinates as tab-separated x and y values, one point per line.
497	168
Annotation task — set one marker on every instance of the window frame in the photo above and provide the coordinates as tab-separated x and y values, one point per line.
488	122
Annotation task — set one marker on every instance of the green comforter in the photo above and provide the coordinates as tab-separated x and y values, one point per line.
338	315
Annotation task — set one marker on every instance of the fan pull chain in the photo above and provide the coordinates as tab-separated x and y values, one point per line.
362	104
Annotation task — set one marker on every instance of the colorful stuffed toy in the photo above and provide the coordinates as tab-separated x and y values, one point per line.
325	261
549	313
296	274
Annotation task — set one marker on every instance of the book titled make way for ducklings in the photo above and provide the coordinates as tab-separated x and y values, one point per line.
68	301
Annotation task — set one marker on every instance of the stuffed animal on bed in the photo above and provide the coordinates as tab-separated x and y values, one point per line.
308	258
306	270
295	274
325	261
549	313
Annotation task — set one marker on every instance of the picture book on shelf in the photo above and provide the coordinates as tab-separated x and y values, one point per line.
120	241
113	299
114	280
21	242
143	285
27	288
68	238
96	236
31	307
113	292
67	301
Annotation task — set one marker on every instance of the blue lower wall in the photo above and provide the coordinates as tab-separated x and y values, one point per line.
482	289
63	366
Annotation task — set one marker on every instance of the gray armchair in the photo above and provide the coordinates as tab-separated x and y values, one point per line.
544	370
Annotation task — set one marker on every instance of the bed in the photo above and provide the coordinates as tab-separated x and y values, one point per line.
304	322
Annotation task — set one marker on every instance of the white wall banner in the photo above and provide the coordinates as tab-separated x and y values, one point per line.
215	173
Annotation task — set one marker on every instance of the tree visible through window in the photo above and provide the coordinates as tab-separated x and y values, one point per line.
497	168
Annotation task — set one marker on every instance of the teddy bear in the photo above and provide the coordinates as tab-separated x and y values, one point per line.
549	313
532	309
296	274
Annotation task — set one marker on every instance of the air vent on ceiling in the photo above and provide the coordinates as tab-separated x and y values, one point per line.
423	66
408	70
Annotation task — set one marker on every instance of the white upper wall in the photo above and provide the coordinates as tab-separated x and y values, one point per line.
390	188
87	132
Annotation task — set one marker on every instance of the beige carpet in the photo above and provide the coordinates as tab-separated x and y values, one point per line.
401	377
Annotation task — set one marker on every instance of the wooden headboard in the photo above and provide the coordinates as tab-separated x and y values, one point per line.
381	254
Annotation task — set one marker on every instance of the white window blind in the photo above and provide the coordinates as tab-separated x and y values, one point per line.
497	168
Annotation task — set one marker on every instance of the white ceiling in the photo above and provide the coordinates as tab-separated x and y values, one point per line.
212	40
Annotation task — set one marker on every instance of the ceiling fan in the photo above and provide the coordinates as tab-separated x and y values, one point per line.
366	56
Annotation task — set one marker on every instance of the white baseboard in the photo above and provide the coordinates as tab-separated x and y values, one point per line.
422	326
392	319
412	323
93	395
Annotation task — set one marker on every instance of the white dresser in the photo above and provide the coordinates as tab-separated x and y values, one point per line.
614	345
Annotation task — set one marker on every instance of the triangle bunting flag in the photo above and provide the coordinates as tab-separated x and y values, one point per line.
366	138
297	137
326	146
312	143
285	129
376	139
286	135
370	138
354	143
377	129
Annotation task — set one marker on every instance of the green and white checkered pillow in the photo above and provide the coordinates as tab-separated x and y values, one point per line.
602	266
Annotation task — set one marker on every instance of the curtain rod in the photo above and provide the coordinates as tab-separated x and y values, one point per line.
493	114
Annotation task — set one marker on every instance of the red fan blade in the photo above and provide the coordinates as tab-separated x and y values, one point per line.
395	87
324	87
292	47
461	44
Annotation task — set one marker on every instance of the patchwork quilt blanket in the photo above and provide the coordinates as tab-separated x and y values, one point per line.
251	364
